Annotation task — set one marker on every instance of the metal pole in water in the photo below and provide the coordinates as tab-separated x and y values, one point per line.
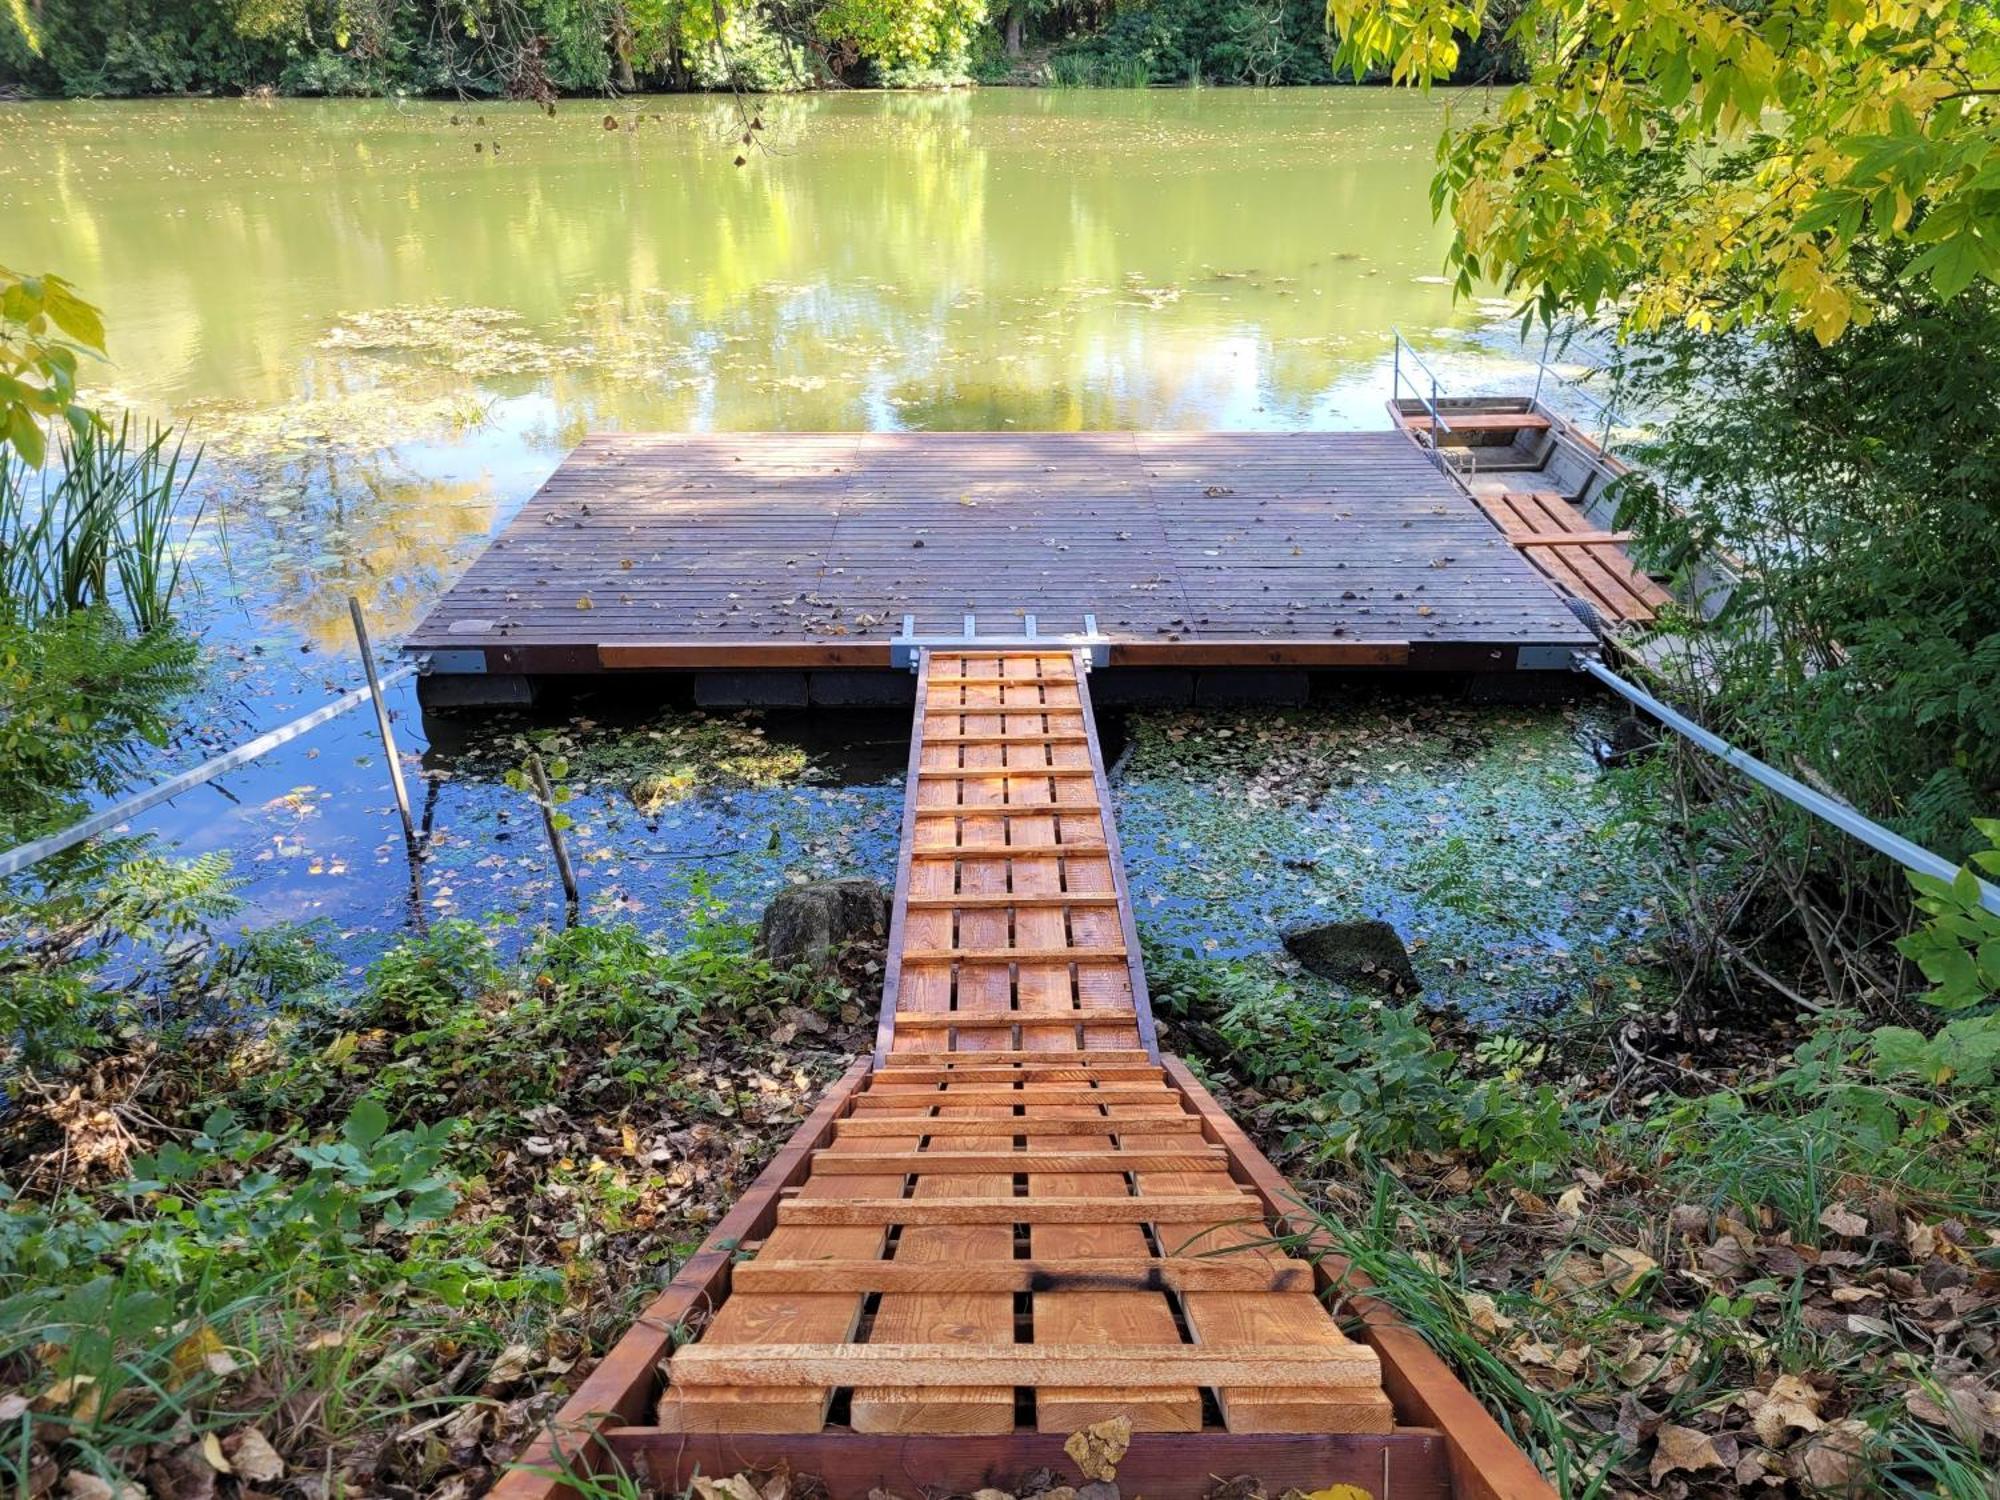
382	722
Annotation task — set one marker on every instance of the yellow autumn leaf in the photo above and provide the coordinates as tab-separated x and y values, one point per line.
1340	1492
191	1355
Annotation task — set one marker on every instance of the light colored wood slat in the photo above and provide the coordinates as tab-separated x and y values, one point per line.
1055	900
955	1163
1575	539
1077	1059
945	1317
1003	773
1016	956
889	1095
1480	421
1134	1318
934	1365
1006	809
965	1020
1162	1122
1092	1276
996	849
1220	1208
1266	1403
1023	737
808	1314
921	1075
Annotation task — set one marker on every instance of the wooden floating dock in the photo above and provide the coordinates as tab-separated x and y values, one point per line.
748	552
1018	1218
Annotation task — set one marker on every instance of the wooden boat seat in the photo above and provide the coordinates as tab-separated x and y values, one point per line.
1581	559
1480	421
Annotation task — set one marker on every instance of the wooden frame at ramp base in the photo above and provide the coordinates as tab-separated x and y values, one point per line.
1444	1447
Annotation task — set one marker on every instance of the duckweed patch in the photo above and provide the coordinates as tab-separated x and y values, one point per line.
1521	882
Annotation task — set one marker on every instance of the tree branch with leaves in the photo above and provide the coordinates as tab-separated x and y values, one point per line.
1712	164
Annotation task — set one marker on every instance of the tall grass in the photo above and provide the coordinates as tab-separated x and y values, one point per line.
104	526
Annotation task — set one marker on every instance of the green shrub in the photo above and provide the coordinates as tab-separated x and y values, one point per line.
1356	1077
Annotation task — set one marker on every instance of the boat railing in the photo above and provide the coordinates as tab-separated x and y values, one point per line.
1606	410
1398	379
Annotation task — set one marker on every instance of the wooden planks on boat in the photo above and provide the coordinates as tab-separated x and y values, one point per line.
1581	559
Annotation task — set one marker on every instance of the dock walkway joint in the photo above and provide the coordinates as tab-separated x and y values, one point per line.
1018	1218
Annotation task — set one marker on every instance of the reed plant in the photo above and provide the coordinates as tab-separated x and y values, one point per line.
105	526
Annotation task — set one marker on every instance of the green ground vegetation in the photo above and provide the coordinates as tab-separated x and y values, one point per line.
335	1242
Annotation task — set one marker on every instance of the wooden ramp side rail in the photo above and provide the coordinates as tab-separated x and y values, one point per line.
1578	557
1018	1219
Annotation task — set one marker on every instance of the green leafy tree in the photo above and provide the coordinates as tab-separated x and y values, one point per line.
1711	163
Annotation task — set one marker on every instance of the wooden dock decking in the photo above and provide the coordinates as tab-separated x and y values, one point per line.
1018	1218
765	550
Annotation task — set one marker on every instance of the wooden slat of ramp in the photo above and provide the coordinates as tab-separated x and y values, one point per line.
1017	1052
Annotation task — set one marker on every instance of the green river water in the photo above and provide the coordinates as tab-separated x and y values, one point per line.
387	321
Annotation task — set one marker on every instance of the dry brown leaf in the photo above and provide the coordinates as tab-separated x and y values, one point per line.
1683	1448
1844	1221
1789	1403
252	1456
1832	1460
211	1452
1570	1204
1485	1313
735	1487
1096	1449
1921	1238
1625	1268
192	1354
514	1362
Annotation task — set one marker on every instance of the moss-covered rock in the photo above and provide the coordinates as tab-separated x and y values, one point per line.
1365	954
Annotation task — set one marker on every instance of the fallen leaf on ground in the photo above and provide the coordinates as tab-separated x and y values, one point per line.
1789	1403
1844	1221
1832	1459
1097	1448
1683	1448
1626	1268
1485	1313
252	1456
211	1451
514	1362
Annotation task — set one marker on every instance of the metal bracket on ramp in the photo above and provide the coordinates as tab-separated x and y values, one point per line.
906	647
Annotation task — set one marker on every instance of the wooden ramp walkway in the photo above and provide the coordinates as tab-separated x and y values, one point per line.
1018	1219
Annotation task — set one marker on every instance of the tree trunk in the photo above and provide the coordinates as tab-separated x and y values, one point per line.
1017	16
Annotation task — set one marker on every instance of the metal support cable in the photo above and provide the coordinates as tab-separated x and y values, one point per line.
13	861
1856	825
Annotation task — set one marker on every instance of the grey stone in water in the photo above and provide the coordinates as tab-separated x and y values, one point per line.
1365	953
809	924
